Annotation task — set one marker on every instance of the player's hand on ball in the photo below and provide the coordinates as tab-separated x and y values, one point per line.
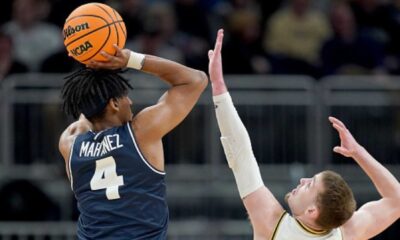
120	60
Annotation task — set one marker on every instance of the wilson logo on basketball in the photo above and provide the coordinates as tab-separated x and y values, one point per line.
70	30
81	49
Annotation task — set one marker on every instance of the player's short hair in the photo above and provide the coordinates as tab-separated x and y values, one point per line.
336	202
88	91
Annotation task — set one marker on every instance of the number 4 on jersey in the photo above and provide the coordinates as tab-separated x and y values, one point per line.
105	177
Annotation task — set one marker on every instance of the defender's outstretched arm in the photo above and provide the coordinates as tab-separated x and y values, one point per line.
263	208
373	217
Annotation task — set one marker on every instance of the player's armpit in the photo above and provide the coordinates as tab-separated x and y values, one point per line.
264	212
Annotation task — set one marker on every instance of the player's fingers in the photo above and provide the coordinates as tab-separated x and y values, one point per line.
338	127
210	54
341	150
218	42
96	64
343	133
104	65
337	121
118	50
108	56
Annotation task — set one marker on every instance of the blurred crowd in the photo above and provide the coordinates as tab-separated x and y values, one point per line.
316	38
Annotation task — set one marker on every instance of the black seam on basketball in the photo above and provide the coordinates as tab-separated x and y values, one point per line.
119	23
104	43
109	33
86	15
115	26
101	7
94	30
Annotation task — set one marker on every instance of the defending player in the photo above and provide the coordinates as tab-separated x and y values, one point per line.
322	207
114	160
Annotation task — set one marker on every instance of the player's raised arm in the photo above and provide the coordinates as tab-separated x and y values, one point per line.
373	217
264	210
187	84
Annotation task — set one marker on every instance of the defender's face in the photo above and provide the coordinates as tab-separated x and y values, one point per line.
304	195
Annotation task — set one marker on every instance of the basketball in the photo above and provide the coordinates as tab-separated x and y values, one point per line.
91	28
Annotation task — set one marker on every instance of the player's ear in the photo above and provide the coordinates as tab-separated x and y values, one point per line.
114	104
312	212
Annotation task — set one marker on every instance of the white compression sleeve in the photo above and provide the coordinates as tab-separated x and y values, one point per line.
237	146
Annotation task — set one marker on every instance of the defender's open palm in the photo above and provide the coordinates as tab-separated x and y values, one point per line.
215	66
348	145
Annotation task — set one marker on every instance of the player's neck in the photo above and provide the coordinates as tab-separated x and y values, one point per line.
310	226
105	123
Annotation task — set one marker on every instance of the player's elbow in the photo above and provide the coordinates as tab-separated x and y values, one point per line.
200	80
398	212
397	207
397	196
396	191
397	200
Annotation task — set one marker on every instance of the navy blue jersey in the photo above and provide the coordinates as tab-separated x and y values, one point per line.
120	195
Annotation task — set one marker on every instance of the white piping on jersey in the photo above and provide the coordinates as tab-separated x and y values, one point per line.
140	153
71	179
97	134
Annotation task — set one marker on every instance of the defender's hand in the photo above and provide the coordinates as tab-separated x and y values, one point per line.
215	61
348	145
215	66
120	60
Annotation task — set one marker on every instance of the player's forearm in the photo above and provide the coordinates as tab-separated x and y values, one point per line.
218	86
219	89
384	181
237	146
174	73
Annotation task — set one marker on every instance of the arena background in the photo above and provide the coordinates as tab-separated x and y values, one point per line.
286	77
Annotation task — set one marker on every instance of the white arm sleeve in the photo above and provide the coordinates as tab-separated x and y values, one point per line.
237	146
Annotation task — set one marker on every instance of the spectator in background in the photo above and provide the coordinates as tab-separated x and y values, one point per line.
222	9
192	18
193	31
268	8
159	33
349	52
22	200
132	12
380	20
7	64
294	36
371	18
59	62
33	40
60	9
393	31
244	54
5	11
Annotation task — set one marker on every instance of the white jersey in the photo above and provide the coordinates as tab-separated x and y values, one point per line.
288	228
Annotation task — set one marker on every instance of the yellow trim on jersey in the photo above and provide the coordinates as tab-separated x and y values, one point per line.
341	232
278	224
310	230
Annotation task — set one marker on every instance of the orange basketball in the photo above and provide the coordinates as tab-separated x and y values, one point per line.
91	28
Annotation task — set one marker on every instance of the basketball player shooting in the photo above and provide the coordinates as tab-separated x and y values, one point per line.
321	207
114	160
